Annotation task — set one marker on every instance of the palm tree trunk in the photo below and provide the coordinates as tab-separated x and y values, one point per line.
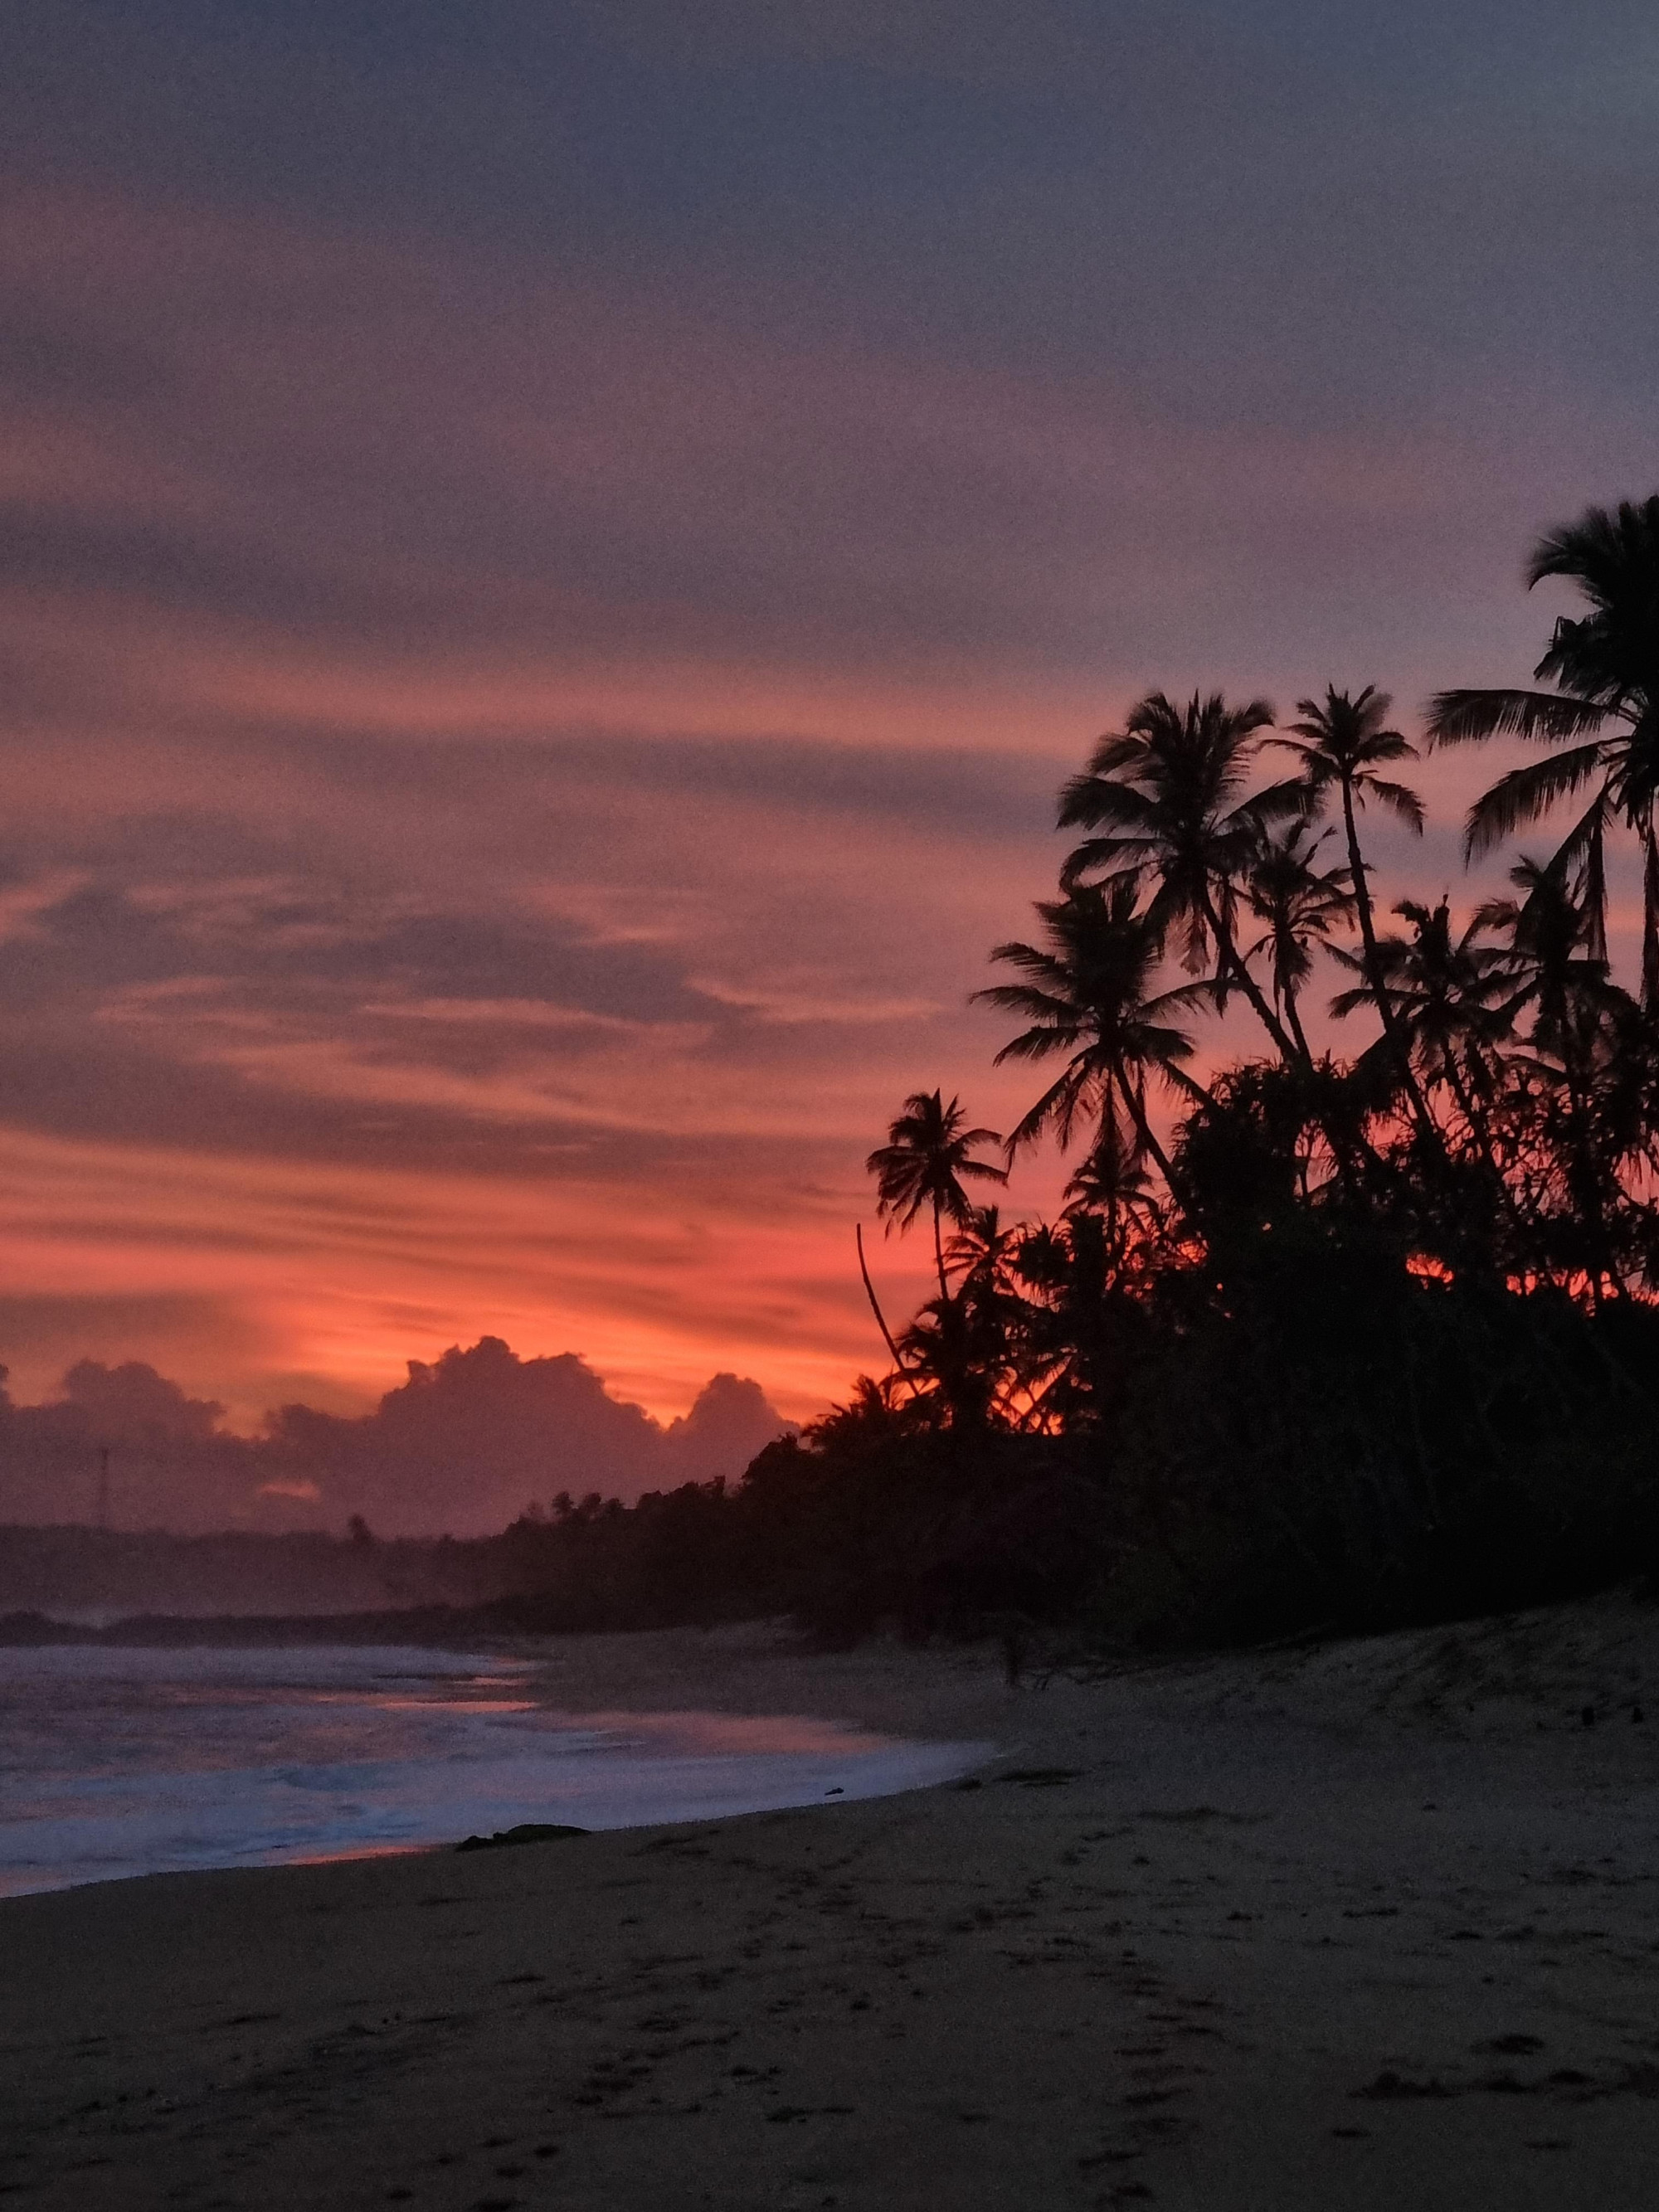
939	1252
1296	1030
1391	1029
1649	920
875	1303
1137	1106
1231	959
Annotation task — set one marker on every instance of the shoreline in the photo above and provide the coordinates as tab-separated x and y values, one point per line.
1356	1926
267	1756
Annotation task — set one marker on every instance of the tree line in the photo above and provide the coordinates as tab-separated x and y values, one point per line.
1501	1119
1357	1335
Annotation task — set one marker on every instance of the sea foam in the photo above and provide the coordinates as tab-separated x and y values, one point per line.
116	1762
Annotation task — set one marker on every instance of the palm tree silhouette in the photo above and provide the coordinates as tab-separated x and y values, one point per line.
1089	995
1112	1181
983	1250
1300	906
1167	794
925	1161
1583	1032
1450	995
1552	962
957	1353
1073	1268
1605	710
1341	742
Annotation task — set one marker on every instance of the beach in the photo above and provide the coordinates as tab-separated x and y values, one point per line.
1359	1925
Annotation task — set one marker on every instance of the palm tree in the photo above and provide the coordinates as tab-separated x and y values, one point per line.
1075	1330
927	1160
1552	960
1605	710
1341	742
957	1355
1167	794
991	1316
1450	995
1089	995
1300	907
983	1250
1584	1025
1112	1182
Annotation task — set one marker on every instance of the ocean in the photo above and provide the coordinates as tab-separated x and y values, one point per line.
119	1762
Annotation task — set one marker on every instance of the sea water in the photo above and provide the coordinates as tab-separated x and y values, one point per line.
117	1762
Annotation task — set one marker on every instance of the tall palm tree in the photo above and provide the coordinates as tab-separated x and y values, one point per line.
1300	905
1604	709
1341	742
1167	795
926	1162
1089	995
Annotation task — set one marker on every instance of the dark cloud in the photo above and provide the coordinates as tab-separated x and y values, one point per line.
467	1442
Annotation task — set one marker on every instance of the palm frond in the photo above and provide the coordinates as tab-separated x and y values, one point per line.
1458	718
1391	746
1525	794
1399	797
1026	999
1043	1043
1059	1103
1100	802
1104	852
1279	802
1115	751
1030	957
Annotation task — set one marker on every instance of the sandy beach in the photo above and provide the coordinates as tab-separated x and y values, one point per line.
1367	1925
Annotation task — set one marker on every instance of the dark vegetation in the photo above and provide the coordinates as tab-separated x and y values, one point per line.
1354	1340
1317	1340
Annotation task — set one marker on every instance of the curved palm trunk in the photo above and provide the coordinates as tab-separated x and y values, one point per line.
875	1303
939	1252
1294	1051
1650	919
1136	1103
1391	1029
1297	1030
1233	960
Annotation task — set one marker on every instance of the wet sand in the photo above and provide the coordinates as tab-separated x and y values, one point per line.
1371	1926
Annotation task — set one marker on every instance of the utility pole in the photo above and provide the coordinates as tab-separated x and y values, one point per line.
103	1486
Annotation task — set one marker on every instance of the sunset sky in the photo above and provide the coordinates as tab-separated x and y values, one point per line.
553	557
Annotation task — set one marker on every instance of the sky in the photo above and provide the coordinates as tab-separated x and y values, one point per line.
553	557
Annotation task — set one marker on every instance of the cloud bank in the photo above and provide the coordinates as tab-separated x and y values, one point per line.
470	1441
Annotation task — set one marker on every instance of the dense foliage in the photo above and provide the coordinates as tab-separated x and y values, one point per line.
1354	1338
